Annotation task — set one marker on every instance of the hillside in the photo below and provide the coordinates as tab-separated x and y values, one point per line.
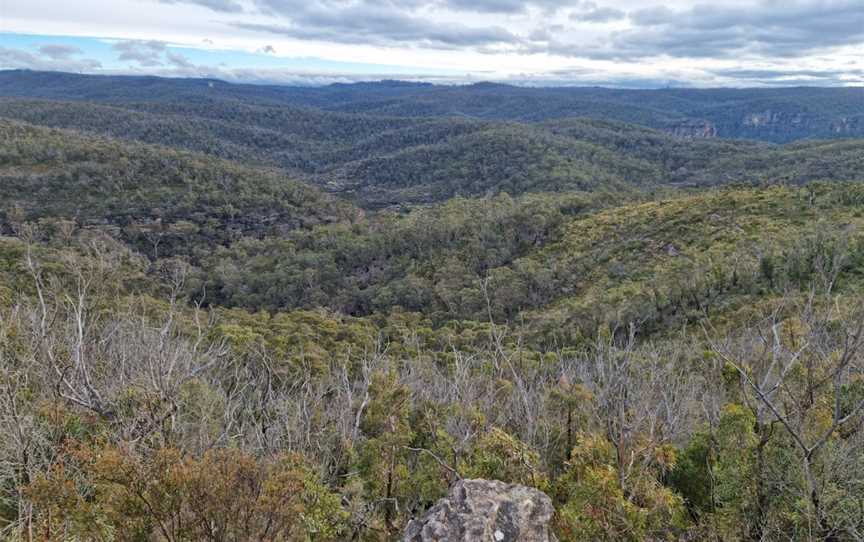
557	264
775	115
491	330
286	245
399	161
151	194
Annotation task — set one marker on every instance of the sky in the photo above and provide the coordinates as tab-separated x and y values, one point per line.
618	43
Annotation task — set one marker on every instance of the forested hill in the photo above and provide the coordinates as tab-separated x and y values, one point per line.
169	200
776	115
384	161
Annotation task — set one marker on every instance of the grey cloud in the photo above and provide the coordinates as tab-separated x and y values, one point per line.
769	28
581	76
592	13
284	76
281	6
652	16
386	21
505	6
178	60
790	77
477	6
435	37
145	53
18	59
486	6
226	6
545	33
151	54
739	73
59	51
288	7
381	26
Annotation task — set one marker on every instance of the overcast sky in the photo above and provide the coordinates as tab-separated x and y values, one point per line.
637	43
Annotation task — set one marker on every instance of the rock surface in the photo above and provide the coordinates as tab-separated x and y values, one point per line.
486	510
693	129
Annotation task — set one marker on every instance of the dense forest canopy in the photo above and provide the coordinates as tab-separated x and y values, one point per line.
391	162
248	313
770	114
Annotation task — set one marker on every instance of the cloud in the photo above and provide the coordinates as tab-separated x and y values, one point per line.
652	16
504	6
645	40
696	29
18	59
178	60
592	13
288	7
380	26
153	54
790	28
59	51
225	6
789	77
145	53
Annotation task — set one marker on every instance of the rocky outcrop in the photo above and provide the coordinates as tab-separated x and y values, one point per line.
848	126
769	118
486	510
693	129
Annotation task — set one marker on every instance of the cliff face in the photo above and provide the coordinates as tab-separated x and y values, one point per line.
774	125
693	129
849	126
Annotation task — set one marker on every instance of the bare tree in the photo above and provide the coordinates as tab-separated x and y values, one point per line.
643	398
100	360
800	358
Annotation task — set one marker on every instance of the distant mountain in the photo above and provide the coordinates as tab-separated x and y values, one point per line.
775	115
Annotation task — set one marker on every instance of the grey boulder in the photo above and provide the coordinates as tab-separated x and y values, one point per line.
486	510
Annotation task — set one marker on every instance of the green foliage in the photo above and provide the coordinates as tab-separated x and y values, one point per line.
500	456
161	201
595	505
224	495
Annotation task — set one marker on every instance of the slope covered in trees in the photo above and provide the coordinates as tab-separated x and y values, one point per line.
398	161
557	264
155	195
644	415
778	115
199	342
